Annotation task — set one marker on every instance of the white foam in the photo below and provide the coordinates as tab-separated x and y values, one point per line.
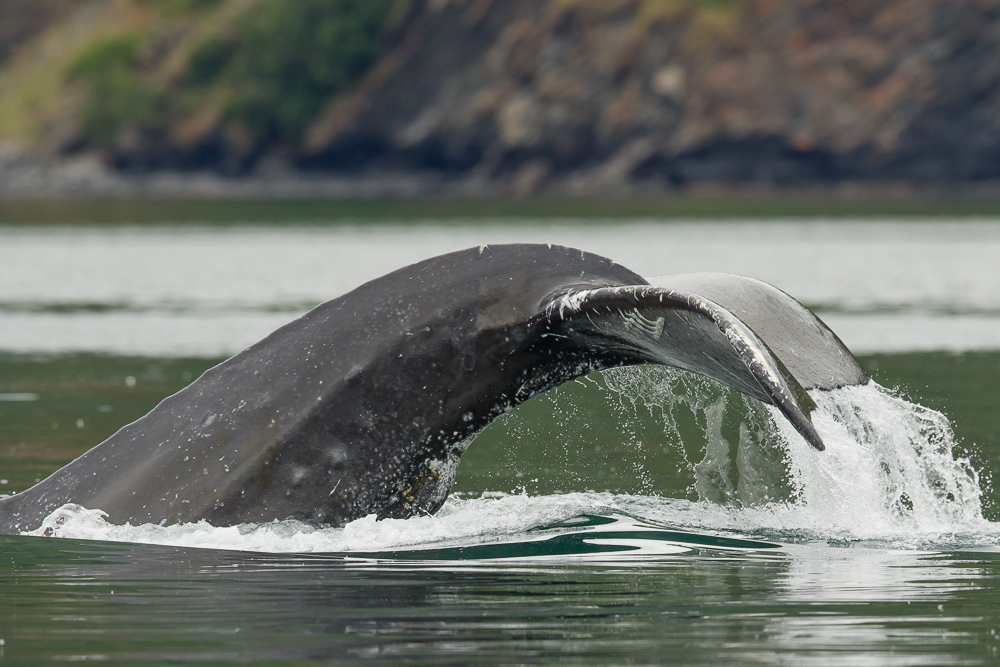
460	520
889	475
889	472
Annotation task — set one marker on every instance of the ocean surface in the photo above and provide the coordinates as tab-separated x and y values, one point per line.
636	516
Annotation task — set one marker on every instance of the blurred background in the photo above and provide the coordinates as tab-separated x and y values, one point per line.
498	98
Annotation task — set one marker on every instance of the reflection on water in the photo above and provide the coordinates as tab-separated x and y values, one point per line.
547	582
845	572
896	608
802	604
149	289
616	534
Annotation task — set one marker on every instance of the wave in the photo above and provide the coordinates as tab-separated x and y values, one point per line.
890	476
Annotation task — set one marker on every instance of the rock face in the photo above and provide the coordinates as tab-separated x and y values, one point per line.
612	94
615	96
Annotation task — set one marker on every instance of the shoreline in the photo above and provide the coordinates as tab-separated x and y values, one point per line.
258	200
83	189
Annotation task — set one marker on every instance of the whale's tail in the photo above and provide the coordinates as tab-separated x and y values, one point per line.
742	332
365	404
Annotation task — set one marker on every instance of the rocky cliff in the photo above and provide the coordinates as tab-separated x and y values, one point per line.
613	96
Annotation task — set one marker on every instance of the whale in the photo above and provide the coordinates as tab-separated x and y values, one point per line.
365	404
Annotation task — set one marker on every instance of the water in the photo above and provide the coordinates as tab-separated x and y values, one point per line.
637	516
204	291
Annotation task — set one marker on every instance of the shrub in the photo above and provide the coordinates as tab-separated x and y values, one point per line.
270	69
289	57
208	60
117	52
118	96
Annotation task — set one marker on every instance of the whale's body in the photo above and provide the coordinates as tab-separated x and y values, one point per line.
366	403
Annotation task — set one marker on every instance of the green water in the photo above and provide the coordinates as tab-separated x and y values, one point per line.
123	603
578	437
101	321
485	212
768	603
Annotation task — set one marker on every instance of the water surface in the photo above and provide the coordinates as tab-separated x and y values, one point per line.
631	517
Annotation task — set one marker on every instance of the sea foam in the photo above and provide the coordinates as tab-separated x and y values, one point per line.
890	475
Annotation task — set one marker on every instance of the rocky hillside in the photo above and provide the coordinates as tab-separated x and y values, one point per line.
522	96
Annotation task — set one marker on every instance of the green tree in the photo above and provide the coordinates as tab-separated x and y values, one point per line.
290	57
118	96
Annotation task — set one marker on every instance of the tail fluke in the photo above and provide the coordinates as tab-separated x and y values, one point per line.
813	354
687	329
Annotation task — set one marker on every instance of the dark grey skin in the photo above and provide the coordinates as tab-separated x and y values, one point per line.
366	403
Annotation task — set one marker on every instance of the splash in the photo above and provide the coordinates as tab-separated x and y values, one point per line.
890	475
729	442
890	470
460	522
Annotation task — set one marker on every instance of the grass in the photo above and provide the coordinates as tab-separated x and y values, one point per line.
152	65
270	68
35	96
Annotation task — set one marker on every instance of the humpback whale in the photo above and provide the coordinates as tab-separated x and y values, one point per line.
366	403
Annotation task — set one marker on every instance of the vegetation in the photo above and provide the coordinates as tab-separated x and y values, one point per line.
291	56
259	71
269	68
119	97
